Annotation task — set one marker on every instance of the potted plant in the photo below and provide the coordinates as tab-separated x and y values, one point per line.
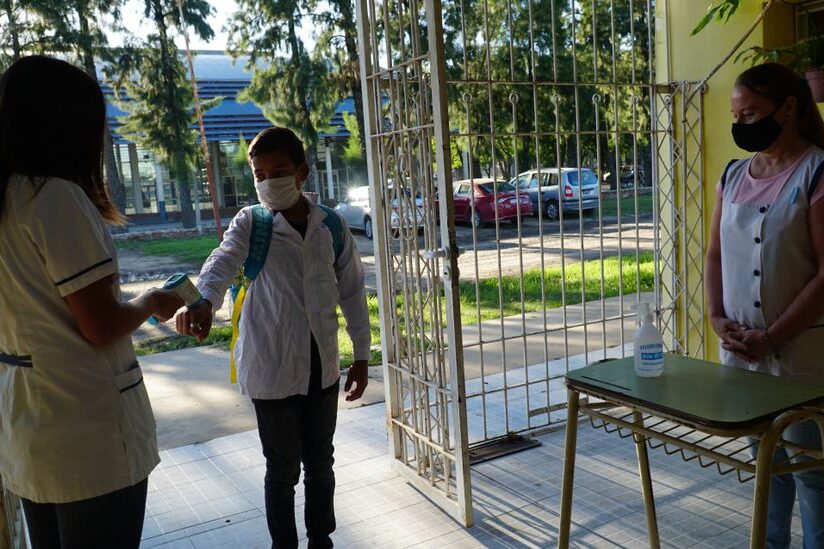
806	57
814	68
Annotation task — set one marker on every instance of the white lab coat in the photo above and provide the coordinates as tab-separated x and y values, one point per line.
75	420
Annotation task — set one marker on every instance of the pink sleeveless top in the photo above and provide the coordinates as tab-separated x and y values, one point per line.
763	192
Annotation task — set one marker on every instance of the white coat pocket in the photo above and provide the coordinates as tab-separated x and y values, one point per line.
137	422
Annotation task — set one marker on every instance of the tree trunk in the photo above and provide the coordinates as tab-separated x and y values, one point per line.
645	162
310	137
350	31
611	165
571	153
16	49
526	157
359	115
501	168
187	211
312	183
116	187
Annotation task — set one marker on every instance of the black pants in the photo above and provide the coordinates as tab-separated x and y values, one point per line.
113	520
294	430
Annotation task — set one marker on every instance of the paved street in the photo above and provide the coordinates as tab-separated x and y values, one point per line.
534	250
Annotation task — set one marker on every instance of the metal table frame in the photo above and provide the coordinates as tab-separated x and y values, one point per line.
727	447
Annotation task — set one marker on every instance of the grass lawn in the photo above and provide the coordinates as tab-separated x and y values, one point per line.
193	250
609	206
492	298
580	284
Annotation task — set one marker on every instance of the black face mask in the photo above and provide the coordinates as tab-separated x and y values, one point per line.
759	135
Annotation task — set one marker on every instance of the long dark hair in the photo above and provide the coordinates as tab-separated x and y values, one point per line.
52	120
777	82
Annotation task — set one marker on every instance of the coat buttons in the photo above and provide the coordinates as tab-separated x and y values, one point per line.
763	209
757	240
757	304
756	273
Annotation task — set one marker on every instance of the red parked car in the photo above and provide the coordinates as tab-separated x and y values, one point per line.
483	194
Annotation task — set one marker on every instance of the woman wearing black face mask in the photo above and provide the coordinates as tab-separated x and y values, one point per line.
765	264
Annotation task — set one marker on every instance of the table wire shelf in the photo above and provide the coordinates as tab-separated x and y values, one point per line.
727	454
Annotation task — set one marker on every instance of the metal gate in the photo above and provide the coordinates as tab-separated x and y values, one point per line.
402	68
554	100
568	187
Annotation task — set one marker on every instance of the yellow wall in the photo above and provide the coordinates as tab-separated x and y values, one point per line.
691	58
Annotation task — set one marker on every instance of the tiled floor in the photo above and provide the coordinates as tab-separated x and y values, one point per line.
211	495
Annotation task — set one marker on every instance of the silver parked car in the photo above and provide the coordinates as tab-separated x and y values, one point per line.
356	209
559	187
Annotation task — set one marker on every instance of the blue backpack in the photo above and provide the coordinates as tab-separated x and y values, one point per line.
259	241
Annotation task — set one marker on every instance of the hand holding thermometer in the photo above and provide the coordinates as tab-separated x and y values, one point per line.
183	287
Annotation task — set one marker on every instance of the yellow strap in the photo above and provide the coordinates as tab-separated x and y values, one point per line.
241	295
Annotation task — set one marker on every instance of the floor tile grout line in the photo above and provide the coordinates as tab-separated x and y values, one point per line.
224	525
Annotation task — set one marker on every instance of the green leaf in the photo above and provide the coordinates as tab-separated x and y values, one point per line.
722	11
705	20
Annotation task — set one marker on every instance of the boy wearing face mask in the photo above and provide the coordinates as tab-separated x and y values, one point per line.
287	349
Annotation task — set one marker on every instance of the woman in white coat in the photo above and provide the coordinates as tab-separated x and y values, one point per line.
77	435
765	264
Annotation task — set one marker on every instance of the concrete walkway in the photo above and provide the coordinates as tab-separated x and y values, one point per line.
208	490
193	400
210	495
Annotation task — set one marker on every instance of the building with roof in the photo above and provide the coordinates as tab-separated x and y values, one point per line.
218	75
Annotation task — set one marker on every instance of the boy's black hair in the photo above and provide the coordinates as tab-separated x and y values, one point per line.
278	139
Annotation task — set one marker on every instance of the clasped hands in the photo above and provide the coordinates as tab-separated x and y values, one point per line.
745	343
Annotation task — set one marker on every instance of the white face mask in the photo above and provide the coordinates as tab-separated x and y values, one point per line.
278	193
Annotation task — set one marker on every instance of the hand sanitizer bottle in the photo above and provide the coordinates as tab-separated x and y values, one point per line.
649	345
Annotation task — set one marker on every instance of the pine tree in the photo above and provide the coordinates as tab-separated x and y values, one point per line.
292	91
338	42
160	98
24	30
79	32
72	29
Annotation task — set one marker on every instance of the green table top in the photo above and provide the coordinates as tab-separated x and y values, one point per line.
700	392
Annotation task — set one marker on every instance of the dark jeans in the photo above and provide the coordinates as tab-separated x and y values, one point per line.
113	520
294	430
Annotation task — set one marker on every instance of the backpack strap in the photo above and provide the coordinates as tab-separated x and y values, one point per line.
335	226
259	241
726	170
819	171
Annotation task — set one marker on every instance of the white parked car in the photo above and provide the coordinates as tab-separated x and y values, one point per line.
559	188
356	209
